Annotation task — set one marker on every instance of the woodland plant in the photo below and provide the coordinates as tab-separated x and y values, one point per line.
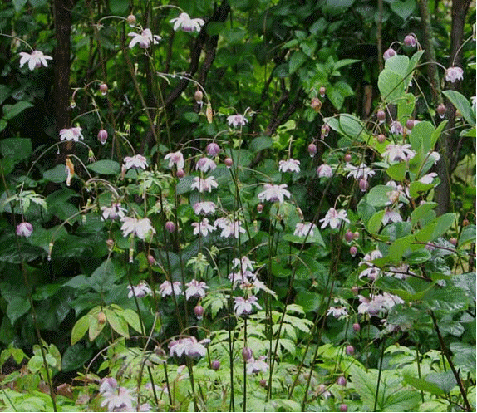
237	271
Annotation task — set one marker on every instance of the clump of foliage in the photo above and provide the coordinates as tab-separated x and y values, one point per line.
212	224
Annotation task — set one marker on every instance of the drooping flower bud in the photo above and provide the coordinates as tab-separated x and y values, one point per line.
170	227
180	173
325	130
228	162
348	157
381	116
441	110
312	149
349	236
349	350
410	41
453	241
389	53
198	96
316	104
322	91
259	208
212	149
363	185
215	365
343	407
409	124
341	381
131	19
247	353
356	327
103	87
353	251
102	136
199	311
381	138
24	229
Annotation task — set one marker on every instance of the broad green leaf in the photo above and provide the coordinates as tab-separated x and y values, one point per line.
117	322
4	93
401	401
398	64
3	125
104	276
423	212
403	8
419	138
56	174
377	196
391	85
338	92
339	3
464	356
17	307
446	299
18	4
16	148
365	210
445	381
296	60
467	235
417	188
119	7
80	329
38	3
397	171
310	301
105	167
351	125
132	319
75	357
405	107
260	143
461	104
191	117
424	385
10	111
95	327
374	223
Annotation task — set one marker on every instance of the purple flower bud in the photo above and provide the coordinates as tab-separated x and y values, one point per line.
170	226
103	87
363	184
356	327
322	91
355	290
409	124
349	236
441	110
343	407
102	136
381	138
453	241
247	353
312	149
215	365
353	251
212	149
228	162
151	260
389	53
198	96
325	130
341	381
349	350
260	208
410	40
199	310
381	116
348	157
24	229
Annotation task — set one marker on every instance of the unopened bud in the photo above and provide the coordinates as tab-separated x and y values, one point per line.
322	91
170	226
247	353
259	208
343	407
353	251
348	157
180	173
215	365
198	96
325	130
356	327
363	184
102	136
355	290
101	317
453	241
103	87
316	104
212	149
110	243
349	350
465	222
199	311
341	381
381	138
409	124
441	110
349	236
381	116
410	40
228	162
151	259
131	19
312	149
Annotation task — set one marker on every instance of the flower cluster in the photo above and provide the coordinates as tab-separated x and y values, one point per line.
189	347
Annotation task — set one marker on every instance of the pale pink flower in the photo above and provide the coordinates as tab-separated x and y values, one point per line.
324	171
454	73
244	306
205	165
186	24
391	215
203	227
35	59
141	290
117	398
256	366
175	158
428	179
244	263
242	276
213	149
140	227
229	228
400	272
359	172
396	128
304	229
166	288
204	184
24	229
334	218
435	156
144	39
337	312
274	193
113	212
187	346
291	165
397	153
205	208
195	289
72	134
378	303
237	120
135	162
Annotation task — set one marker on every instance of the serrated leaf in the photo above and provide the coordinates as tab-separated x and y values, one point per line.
132	318
296	60
403	8
80	329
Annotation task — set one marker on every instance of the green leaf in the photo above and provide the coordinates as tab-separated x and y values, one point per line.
296	60
461	104
80	329
424	385
17	307
397	171
377	196
3	125
401	401
119	7
405	106
95	327
423	212
56	174
403	8
445	381
4	93
18	4
10	111
339	3
467	235
419	138
464	356
104	276
310	301
391	85
75	357
38	3
132	318
117	322
16	148
260	143
105	167
374	223
191	117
